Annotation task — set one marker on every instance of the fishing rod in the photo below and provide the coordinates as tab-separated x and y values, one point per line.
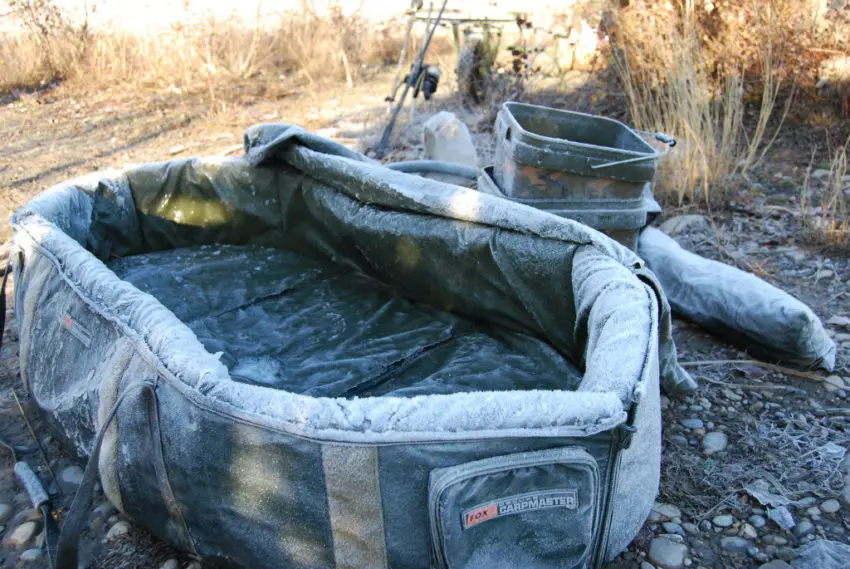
381	149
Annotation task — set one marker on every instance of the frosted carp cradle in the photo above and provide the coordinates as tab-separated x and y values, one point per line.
314	361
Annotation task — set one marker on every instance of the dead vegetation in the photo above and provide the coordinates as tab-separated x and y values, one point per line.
672	85
722	77
823	204
197	56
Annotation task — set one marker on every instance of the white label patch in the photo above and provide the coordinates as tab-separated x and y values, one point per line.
520	503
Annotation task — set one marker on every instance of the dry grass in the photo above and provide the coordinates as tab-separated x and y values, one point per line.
204	55
825	211
671	88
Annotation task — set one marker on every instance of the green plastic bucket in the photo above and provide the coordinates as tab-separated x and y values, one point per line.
546	153
621	220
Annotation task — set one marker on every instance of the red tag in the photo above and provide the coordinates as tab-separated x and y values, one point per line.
68	322
481	514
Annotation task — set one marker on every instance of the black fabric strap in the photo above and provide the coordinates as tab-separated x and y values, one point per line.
67	556
3	301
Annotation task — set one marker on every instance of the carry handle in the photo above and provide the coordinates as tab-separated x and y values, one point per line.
668	141
31	484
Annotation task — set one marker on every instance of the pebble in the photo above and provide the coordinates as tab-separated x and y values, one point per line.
786	553
806	502
672	527
714	441
6	512
805	527
667	554
731	395
723	520
757	521
775	564
835	381
690	528
170	564
734	544
692	423
748	531
71	477
839	321
664	512
31	555
830	506
104	510
118	530
23	535
646	565
774	539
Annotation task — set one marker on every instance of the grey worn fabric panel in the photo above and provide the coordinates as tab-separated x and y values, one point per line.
353	485
637	471
142	473
251	496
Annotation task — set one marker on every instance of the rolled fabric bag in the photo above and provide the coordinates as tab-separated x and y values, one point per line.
737	306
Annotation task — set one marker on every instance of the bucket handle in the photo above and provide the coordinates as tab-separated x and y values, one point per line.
668	141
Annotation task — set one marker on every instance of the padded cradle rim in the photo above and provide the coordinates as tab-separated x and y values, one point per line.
183	362
180	358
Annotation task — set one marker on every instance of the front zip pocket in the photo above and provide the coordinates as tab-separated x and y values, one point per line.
535	509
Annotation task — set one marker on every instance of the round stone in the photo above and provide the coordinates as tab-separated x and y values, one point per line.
31	555
748	531
6	512
714	441
693	423
830	506
104	510
23	535
723	520
118	530
734	544
71	477
774	539
757	521
775	564
805	527
690	528
667	554
672	527
835	381
646	565
786	553
664	512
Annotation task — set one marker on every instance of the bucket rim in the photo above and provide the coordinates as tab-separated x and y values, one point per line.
549	139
